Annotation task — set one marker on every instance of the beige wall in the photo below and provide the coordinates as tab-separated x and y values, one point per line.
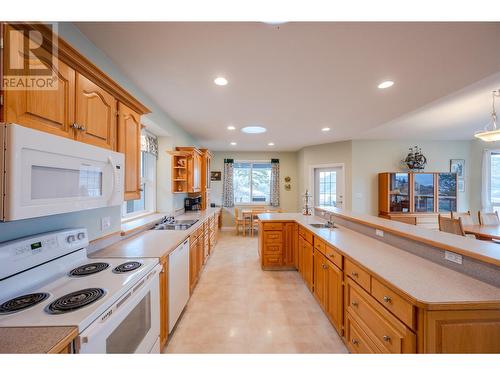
288	167
372	157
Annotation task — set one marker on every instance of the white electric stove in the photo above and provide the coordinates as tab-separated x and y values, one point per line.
47	280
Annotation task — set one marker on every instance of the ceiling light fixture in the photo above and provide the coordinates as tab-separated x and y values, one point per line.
491	132
253	129
385	84
270	144
326	129
231	127
220	81
233	143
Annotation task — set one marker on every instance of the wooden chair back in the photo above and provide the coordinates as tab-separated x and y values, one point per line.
236	214
450	225
465	216
488	218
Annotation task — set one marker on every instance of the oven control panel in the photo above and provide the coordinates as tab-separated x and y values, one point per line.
19	255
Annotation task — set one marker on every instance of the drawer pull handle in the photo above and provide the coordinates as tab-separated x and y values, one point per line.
354	303
386	338
355	342
355	274
387	299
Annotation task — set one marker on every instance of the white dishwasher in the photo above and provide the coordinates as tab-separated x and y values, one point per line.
178	282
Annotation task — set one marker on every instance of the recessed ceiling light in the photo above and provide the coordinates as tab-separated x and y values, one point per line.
233	143
326	129
253	129
231	127
385	84
220	81
270	144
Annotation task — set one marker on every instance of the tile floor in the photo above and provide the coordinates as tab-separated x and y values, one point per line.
238	308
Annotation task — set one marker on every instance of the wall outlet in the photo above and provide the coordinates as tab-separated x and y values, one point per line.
453	257
105	222
379	232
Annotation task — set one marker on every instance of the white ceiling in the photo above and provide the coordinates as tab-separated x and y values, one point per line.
299	77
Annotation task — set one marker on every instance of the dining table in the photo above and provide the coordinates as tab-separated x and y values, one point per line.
248	216
483	232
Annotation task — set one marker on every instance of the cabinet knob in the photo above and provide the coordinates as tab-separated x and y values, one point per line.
324	266
386	338
355	274
331	255
354	303
82	128
355	342
387	299
75	126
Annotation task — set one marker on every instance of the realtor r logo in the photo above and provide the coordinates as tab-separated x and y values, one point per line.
30	58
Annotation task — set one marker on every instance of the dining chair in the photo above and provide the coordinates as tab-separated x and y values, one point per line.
450	225
238	221
254	221
465	216
488	218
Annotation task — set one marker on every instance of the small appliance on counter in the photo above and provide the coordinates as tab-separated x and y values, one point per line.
192	203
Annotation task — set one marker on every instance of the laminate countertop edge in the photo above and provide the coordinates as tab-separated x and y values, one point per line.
36	340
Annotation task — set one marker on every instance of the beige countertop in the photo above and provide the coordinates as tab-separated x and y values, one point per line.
481	250
421	280
34	340
154	243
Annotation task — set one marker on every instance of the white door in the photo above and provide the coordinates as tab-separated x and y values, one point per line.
329	187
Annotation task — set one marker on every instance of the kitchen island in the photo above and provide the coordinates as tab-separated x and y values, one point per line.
381	298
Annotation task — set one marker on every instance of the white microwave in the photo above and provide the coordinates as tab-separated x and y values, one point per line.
44	174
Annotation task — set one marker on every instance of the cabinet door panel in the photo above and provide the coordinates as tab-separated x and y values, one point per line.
51	111
96	112
334	296
129	143
308	264
319	264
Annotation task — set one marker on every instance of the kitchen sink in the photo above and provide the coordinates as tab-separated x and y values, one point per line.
172	224
321	225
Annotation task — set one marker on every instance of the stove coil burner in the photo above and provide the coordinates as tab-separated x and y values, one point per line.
76	300
127	267
89	269
22	302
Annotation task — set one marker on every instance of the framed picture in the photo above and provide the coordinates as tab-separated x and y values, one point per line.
215	176
461	185
458	166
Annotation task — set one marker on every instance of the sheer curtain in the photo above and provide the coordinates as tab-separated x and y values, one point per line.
275	183
485	181
227	187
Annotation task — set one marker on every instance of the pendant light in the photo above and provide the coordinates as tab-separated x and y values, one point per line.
492	131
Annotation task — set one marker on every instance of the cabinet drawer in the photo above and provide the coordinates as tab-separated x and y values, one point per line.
388	333
333	256
273	248
306	235
273	236
403	309
271	260
273	226
357	274
319	245
357	340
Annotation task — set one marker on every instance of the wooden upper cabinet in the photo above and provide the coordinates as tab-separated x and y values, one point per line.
95	114
192	174
129	143
51	111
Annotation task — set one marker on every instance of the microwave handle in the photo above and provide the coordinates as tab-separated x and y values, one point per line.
114	177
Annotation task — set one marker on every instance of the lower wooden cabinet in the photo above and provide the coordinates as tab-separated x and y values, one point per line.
462	331
357	340
193	263
164	302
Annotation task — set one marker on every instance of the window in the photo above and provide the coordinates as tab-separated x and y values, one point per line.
147	202
495	180
252	182
327	187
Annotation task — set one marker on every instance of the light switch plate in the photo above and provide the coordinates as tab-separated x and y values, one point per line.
453	257
379	232
105	222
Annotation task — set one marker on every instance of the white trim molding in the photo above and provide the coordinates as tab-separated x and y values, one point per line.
311	179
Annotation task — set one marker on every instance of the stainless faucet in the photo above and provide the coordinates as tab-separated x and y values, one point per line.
330	222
